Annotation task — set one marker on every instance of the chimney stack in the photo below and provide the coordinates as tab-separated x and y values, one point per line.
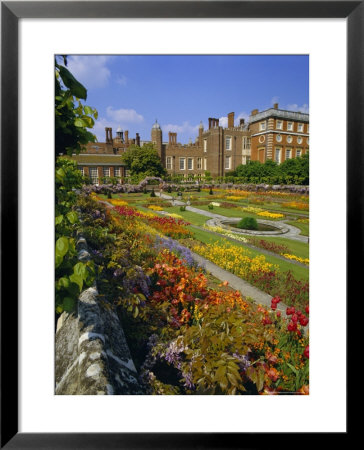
108	132
210	120
275	106
231	120
126	134
254	112
137	139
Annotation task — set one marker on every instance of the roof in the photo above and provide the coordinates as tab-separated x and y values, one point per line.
281	113
102	160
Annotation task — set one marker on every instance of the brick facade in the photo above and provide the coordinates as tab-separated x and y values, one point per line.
271	134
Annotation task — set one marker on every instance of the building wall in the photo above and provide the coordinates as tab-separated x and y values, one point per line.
271	134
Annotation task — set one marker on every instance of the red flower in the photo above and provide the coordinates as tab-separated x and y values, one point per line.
303	320
292	326
307	309
294	318
279	314
307	352
266	321
290	310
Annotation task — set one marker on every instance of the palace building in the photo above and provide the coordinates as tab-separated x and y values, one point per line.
271	134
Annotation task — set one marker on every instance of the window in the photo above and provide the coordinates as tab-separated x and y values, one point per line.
182	163
169	163
279	138
298	153
288	153
199	163
277	155
106	172
117	172
227	162
299	140
262	126
245	160
94	175
300	127
290	126
228	143
279	124
205	145
246	143
205	164
190	163
289	139
81	169
307	128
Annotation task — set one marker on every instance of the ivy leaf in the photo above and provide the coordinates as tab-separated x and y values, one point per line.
59	219
61	247
77	280
72	217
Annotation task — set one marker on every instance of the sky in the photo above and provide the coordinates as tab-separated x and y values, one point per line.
180	91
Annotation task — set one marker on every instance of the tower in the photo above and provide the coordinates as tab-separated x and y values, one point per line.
157	139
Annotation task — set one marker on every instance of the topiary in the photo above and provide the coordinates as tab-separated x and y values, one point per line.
152	194
248	223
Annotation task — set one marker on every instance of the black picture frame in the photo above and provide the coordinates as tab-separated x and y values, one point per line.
11	12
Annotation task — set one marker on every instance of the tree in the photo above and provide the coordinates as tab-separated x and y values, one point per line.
72	118
143	161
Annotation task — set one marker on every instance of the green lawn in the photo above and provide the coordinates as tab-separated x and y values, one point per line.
299	272
296	247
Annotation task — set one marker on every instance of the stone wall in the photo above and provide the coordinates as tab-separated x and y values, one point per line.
92	356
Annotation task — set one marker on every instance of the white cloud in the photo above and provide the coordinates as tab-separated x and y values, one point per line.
121	80
92	71
185	128
223	121
124	115
294	107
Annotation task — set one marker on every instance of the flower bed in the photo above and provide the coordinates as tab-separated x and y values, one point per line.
185	337
256	270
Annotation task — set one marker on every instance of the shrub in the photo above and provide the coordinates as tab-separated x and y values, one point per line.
210	206
248	223
211	192
152	194
182	208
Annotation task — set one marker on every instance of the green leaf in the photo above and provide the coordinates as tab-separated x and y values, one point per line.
69	304
76	88
59	260
63	282
80	123
292	368
77	280
62	246
59	219
72	217
80	270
